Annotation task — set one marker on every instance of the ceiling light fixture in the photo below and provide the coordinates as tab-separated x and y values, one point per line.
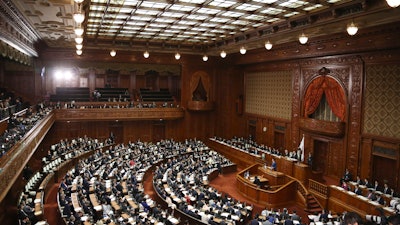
352	29
79	31
393	3
79	17
146	54
79	52
205	58
223	54
79	46
78	40
113	53
78	1
303	39
177	56
243	50
268	45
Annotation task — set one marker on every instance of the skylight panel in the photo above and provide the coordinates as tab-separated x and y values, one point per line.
316	6
232	14
166	34
272	11
91	15
130	2
97	7
136	23
217	31
132	28
125	10
161	25
208	35
273	20
177	39
199	29
208	11
183	36
227	27
157	5
172	31
99	1
293	4
190	33
254	17
208	25
151	29
240	22
179	27
186	22
257	25
147	33
197	17
164	20
160	37
193	1
222	3
266	1
290	14
184	8
119	16
219	20
248	7
172	14
128	31
146	12
140	18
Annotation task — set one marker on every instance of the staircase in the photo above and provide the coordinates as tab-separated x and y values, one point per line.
313	207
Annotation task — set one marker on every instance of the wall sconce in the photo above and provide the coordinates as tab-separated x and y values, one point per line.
264	129
177	56
268	45
205	58
146	54
113	53
303	39
352	29
243	50
393	3
223	54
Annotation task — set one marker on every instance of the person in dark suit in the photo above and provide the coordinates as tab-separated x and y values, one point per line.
257	181
347	176
357	190
376	186
379	199
386	189
273	165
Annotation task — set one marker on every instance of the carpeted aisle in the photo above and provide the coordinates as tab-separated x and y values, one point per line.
51	213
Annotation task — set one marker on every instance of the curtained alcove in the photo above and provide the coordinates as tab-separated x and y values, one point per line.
200	89
327	88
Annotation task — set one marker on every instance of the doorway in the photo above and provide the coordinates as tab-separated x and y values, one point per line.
320	156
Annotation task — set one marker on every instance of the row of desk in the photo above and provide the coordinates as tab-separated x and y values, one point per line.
339	200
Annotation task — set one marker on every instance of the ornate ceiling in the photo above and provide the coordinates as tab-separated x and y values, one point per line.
192	26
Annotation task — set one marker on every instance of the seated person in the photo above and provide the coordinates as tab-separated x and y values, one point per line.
257	181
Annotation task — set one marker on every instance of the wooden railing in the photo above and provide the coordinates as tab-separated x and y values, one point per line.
21	153
318	188
119	113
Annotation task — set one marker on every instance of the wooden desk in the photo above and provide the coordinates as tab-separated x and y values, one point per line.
284	195
274	177
339	200
39	205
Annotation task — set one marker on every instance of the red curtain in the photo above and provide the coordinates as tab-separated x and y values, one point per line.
313	95
334	95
